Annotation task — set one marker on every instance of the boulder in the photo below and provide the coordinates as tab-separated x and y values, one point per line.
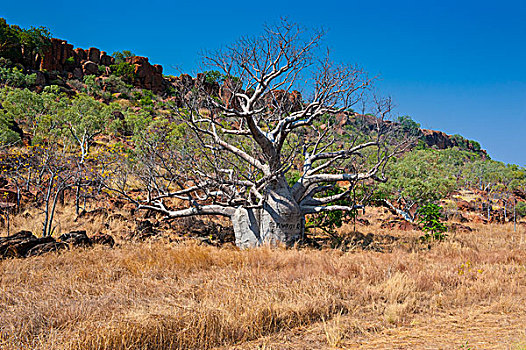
104	239
56	55
463	205
77	73
399	225
82	55
76	238
90	68
20	244
106	60
45	248
94	55
147	76
40	79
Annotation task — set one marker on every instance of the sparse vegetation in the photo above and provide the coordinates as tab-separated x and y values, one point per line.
171	296
431	220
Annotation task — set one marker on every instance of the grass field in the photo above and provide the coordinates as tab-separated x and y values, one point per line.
468	292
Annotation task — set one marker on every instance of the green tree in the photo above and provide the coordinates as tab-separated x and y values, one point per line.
419	177
430	217
121	56
22	45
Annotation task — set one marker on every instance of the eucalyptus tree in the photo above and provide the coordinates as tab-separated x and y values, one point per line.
240	145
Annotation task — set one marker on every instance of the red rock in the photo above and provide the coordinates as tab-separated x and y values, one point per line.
158	68
56	55
463	205
106	60
90	68
94	55
454	227
146	75
399	225
82	55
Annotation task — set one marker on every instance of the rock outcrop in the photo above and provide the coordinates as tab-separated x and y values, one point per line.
24	244
62	57
148	76
73	63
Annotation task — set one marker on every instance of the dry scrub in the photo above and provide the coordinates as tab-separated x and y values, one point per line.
187	296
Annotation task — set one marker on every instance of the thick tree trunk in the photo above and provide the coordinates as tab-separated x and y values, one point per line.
279	221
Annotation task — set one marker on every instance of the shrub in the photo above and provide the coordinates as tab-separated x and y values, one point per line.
69	63
429	217
120	56
16	78
475	145
115	84
214	76
520	209
124	70
409	125
7	134
102	70
21	45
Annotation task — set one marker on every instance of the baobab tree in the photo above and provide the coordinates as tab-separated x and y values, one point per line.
254	150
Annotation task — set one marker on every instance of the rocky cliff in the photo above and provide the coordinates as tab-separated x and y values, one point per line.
74	63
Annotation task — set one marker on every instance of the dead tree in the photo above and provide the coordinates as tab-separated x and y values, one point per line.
244	144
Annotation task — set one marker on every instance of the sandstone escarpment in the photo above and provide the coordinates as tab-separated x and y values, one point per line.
74	63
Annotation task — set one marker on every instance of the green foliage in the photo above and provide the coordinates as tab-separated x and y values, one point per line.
475	145
16	78
520	209
83	119
124	70
115	84
7	134
329	221
465	144
21	45
92	85
69	63
214	76
34	111
145	99
409	126
120	56
420	176
429	217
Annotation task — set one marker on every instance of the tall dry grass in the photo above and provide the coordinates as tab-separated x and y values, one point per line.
189	296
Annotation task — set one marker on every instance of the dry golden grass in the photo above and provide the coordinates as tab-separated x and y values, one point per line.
471	288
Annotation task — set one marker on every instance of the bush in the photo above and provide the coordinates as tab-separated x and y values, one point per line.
16	78
120	56
21	45
409	126
115	84
124	70
7	134
214	76
429	217
520	209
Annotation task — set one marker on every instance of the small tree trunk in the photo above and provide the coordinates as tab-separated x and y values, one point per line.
515	216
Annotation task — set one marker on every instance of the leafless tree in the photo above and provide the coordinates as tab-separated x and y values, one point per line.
247	140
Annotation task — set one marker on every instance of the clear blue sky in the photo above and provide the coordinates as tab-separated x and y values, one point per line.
453	65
